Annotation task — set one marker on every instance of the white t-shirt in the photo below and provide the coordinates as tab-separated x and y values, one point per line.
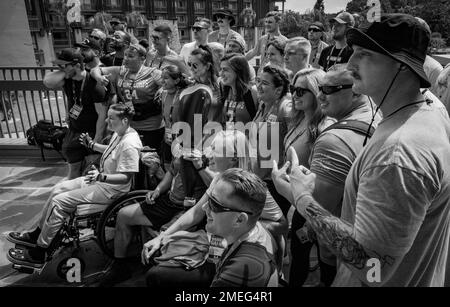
121	156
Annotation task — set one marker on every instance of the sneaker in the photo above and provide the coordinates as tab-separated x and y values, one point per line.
118	273
25	238
27	257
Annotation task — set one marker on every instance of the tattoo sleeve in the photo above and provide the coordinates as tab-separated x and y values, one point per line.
337	235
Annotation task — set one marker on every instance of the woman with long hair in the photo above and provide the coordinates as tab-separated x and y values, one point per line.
194	110
237	96
229	149
271	125
173	83
307	123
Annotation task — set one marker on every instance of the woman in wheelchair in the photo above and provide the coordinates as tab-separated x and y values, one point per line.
229	150
119	162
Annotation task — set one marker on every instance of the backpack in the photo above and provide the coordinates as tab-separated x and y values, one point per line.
46	136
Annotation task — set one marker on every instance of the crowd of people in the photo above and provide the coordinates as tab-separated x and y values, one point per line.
353	138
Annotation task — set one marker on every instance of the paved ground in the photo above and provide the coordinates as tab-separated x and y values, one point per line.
24	186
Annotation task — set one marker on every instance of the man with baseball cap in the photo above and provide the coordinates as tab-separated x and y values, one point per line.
315	35
86	109
201	30
393	229
340	52
118	25
225	19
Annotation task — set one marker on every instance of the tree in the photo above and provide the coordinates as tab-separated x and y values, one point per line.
319	11
293	24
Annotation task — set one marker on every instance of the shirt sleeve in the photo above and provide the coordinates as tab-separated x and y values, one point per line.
392	202
331	159
323	56
128	161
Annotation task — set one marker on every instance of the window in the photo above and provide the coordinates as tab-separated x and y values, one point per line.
182	18
199	5
181	4
114	4
162	17
31	7
248	4
160	4
232	5
138	4
217	5
87	5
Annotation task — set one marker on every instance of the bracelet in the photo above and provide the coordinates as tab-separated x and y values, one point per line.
101	177
297	200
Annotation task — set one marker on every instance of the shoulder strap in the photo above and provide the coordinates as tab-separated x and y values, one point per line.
354	125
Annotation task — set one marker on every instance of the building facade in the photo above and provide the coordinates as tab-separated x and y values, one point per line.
50	30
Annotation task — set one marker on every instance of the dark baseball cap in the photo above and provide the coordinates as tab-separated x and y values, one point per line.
227	13
90	44
68	56
399	36
344	18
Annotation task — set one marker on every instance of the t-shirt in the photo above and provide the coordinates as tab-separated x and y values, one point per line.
141	93
443	87
316	51
110	60
267	134
236	111
156	61
216	37
90	95
177	192
121	156
261	48
248	262
397	197
331	56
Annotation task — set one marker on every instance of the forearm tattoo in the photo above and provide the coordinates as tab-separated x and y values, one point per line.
338	235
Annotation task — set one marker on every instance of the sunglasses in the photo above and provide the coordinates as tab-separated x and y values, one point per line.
216	207
193	65
299	91
331	89
314	30
197	29
94	37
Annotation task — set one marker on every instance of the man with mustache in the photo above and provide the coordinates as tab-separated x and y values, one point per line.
393	229
225	19
120	42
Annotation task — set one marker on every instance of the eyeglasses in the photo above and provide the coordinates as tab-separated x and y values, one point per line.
197	29
94	37
331	89
216	207
299	91
156	38
314	30
193	65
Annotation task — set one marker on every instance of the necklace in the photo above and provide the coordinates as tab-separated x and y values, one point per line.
337	58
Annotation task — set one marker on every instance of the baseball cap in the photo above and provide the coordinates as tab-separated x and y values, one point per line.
68	56
344	18
318	25
399	36
115	21
89	44
239	40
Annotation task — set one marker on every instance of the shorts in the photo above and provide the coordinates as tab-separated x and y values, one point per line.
162	211
72	150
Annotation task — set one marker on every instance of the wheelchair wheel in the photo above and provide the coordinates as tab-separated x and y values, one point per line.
107	223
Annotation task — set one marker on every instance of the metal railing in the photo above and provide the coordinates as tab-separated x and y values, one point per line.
24	100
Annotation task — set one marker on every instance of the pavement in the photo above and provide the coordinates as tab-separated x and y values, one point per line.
25	184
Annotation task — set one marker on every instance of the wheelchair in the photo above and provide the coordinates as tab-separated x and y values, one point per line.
91	222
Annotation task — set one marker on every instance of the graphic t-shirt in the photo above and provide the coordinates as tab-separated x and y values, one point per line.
331	56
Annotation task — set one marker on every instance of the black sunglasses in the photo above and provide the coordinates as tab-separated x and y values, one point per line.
195	66
314	30
94	37
331	89
216	207
299	91
197	29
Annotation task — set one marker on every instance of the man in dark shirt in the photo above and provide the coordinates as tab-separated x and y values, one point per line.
120	42
86	108
340	52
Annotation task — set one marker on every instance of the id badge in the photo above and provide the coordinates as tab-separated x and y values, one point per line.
169	136
272	118
75	111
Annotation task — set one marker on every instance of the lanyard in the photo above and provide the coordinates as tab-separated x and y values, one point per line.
337	58
404	107
77	98
160	62
110	150
171	106
297	136
132	83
